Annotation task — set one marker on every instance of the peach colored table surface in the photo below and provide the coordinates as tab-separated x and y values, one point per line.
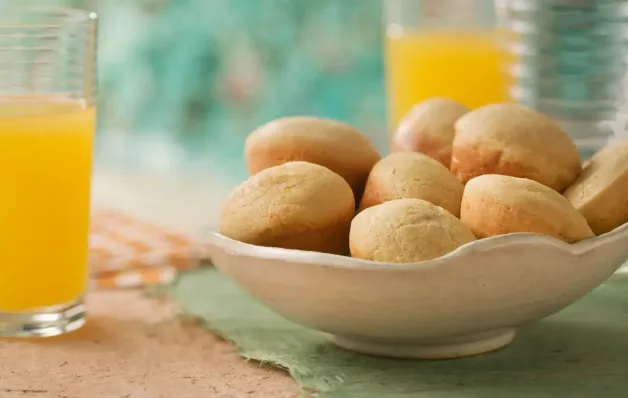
134	347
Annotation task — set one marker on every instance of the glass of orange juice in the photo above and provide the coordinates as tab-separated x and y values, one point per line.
47	122
441	48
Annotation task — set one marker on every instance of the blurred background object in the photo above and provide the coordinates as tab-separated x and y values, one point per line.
568	61
446	48
184	81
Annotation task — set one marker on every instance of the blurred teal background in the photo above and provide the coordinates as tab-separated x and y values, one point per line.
184	81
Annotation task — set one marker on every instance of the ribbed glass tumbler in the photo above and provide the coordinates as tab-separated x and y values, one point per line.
47	121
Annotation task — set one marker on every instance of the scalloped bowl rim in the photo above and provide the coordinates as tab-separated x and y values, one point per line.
235	247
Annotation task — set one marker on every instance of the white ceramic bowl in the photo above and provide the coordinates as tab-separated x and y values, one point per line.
468	302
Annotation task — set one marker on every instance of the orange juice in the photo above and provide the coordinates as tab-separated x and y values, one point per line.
463	66
45	168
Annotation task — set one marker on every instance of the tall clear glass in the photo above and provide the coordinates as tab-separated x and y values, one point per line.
567	61
47	122
442	48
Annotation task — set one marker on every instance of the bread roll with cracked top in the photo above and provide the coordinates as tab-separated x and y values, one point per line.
497	205
296	205
335	145
406	231
600	194
412	175
512	140
429	128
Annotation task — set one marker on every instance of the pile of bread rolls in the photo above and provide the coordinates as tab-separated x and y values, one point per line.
455	175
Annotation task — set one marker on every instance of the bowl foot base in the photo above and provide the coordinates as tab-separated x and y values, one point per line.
462	346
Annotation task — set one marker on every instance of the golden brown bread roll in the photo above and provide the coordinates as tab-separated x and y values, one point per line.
497	205
512	140
601	191
429	128
406	231
412	175
297	205
329	143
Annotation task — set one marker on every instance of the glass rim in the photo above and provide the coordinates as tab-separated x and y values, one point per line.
72	16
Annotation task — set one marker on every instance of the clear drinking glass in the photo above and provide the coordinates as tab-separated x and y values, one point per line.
442	48
567	61
47	122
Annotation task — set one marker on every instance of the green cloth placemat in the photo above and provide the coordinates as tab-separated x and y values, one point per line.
580	352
